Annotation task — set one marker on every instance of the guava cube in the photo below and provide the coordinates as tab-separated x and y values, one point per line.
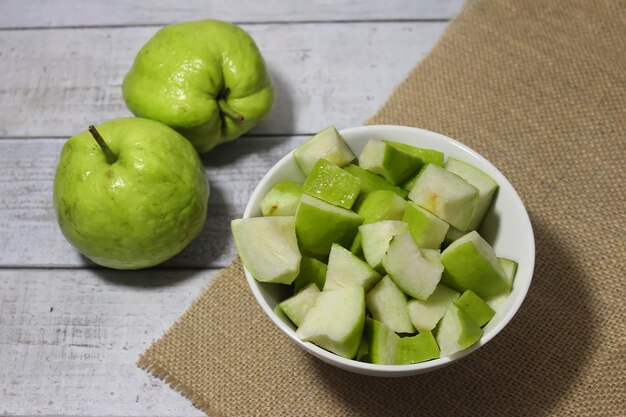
335	321
388	304
372	182
484	183
427	230
332	184
415	349
415	271
381	342
320	224
452	235
475	307
375	238
381	205
282	199
356	247
395	165
268	247
497	302
296	306
311	271
346	270
425	314
446	195
327	144
426	156
457	331
470	263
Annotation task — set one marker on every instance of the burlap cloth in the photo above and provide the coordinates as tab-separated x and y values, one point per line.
539	88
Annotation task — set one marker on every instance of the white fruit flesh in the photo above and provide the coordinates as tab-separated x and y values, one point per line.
388	304
446	195
327	144
426	314
373	156
484	183
335	321
375	238
415	271
296	306
268	247
346	270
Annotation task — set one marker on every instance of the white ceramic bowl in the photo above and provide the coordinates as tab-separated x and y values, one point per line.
506	226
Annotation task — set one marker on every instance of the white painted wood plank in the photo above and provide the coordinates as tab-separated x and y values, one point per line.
29	235
69	340
56	82
48	13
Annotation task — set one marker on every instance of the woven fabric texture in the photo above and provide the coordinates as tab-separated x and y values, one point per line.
539	88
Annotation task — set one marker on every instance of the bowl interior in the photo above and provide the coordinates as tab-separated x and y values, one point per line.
506	226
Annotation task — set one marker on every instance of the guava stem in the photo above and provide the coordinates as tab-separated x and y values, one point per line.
108	153
228	111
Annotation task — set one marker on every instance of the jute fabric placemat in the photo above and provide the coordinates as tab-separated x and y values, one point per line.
539	88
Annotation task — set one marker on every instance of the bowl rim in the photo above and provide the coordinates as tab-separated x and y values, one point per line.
409	369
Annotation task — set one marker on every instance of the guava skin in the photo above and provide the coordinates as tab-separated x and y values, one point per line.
138	211
180	76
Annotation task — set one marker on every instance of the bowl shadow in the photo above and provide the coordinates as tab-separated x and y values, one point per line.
522	371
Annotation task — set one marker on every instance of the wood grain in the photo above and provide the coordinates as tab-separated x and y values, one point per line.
32	238
69	340
69	334
56	82
46	13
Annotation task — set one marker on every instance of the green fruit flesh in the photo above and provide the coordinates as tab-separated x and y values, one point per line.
475	307
457	331
426	156
375	238
282	199
206	79
320	224
387	303
452	235
311	271
446	195
327	144
381	205
363	354
497	302
138	211
277	259
335	321
415	349
425	314
356	247
470	263
381	342
509	267
296	306
415	271
395	165
332	184
484	183
345	270
372	182
427	230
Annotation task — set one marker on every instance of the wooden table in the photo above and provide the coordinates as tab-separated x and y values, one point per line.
70	333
